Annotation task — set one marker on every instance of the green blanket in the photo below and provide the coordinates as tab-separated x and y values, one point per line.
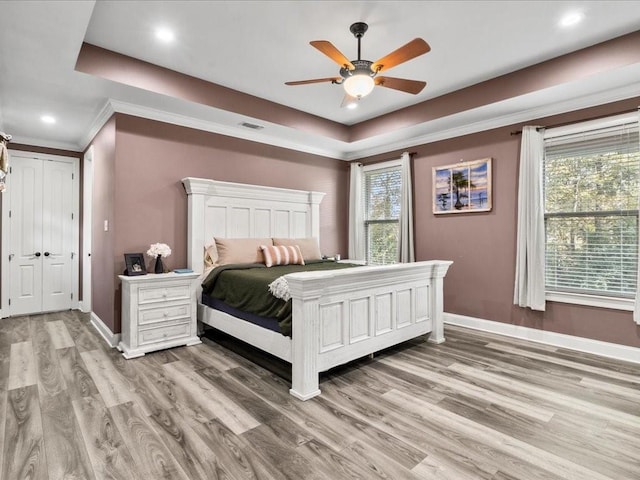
246	287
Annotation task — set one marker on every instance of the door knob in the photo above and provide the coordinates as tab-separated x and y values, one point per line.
37	254
46	254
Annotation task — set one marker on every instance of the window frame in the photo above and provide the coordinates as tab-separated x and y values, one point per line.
365	222
614	302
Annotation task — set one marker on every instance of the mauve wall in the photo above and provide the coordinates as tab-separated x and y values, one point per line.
483	245
103	274
150	204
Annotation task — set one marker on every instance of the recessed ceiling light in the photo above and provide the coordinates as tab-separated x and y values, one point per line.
48	119
352	105
571	19
165	35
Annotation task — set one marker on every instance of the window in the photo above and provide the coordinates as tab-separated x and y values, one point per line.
382	195
591	191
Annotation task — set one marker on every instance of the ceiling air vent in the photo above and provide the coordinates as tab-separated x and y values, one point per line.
252	126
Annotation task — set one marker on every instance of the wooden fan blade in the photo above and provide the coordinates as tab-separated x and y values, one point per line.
402	84
413	49
348	100
333	53
315	80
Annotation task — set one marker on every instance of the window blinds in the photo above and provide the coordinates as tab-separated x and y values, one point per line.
591	182
382	195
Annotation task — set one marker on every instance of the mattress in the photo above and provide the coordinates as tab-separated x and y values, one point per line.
264	322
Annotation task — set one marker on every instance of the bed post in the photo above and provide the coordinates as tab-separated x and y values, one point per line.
436	301
314	218
304	340
196	190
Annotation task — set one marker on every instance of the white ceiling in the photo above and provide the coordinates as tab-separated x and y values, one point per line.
255	47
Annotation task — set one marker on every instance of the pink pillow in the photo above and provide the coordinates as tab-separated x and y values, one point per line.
308	246
240	250
282	255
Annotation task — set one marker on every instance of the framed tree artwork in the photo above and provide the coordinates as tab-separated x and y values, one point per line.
462	188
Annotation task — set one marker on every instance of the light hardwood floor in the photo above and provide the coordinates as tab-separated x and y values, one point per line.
479	406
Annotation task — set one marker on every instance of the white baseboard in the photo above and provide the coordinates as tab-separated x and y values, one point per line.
82	308
105	332
587	345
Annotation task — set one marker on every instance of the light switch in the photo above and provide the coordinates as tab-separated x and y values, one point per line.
106	225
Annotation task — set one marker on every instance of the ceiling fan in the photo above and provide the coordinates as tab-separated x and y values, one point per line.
359	77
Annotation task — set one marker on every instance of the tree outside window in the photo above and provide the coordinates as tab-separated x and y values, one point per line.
591	186
382	191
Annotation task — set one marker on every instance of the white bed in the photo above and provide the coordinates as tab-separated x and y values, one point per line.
338	316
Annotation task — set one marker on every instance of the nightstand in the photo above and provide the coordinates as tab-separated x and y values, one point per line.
158	311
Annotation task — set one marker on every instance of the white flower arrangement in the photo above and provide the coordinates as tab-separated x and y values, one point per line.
161	249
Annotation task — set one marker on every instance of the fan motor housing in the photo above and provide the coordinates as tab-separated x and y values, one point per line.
358	29
362	66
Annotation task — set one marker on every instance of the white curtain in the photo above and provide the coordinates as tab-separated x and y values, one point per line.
405	240
636	307
356	214
529	283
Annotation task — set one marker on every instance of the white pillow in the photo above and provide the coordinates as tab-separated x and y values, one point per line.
210	255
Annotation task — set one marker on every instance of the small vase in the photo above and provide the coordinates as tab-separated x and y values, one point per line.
159	266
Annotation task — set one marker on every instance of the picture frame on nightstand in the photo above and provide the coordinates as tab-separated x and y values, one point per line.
134	263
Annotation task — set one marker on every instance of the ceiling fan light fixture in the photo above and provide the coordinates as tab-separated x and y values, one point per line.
358	85
359	77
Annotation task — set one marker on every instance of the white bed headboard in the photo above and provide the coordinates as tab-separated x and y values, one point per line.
236	210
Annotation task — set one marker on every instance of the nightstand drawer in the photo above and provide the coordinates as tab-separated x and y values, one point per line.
160	314
163	293
164	333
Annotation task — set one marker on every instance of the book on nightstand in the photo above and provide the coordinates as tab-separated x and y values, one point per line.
183	270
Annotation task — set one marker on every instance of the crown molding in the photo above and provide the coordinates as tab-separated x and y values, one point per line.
578	103
106	112
259	136
416	135
36	142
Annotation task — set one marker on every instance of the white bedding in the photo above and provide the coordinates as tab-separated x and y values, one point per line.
279	288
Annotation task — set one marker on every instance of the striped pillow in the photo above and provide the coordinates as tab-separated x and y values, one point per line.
282	255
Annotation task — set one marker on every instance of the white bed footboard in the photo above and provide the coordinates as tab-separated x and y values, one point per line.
342	315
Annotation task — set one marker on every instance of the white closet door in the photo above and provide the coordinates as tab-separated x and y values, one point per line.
26	237
41	235
57	235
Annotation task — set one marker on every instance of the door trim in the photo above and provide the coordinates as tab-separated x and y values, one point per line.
5	309
87	202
